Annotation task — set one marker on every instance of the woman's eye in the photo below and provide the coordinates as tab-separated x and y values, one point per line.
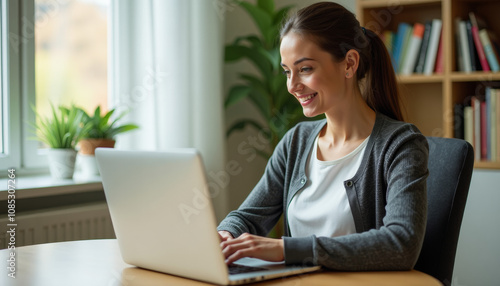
305	69
286	72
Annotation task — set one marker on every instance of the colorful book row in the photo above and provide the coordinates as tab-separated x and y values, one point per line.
416	48
479	122
476	45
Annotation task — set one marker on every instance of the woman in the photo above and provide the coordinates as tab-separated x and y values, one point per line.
352	187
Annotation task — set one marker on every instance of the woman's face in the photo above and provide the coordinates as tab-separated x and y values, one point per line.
316	80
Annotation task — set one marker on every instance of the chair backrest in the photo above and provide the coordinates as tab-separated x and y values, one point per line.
451	162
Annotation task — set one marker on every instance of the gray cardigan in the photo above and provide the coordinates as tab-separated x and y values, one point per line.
387	195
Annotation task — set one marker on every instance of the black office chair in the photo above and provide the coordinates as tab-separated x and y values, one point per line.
451	162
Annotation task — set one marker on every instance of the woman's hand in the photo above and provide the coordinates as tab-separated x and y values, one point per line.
248	245
225	235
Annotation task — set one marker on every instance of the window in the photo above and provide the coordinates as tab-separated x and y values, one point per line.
70	53
53	51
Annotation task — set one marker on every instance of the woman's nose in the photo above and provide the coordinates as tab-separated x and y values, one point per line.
294	84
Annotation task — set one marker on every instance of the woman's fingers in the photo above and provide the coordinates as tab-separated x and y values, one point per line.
225	235
248	245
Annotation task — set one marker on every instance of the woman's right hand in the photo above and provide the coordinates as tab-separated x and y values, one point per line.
225	235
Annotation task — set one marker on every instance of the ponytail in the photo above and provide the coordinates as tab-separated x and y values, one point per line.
336	30
381	91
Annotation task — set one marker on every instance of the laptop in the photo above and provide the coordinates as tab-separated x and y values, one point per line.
164	220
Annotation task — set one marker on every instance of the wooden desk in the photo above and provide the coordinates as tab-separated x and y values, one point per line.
98	262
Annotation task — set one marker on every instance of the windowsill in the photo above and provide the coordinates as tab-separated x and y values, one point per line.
45	185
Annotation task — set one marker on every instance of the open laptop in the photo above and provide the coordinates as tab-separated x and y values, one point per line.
163	217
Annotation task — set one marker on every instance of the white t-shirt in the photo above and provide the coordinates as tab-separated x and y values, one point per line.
321	207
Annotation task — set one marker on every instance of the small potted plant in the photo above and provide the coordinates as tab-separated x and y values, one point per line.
61	133
101	133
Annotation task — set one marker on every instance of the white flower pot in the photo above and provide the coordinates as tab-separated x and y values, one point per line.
88	165
62	163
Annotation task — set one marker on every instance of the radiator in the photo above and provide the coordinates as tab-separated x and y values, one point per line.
90	221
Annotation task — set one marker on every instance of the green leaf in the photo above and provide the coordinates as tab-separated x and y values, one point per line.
262	19
242	124
281	15
236	93
266	5
261	61
252	39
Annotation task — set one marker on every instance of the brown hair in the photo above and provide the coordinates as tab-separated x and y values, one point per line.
336	30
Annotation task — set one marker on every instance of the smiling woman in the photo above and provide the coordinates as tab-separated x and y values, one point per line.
352	187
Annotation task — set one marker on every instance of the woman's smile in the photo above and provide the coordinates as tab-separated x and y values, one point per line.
306	98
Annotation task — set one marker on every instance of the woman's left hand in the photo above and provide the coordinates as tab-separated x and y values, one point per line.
248	245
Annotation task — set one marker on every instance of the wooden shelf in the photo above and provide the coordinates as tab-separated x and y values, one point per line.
384	3
474	76
420	78
429	100
486	165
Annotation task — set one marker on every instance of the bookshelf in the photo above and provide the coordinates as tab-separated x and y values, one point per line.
429	100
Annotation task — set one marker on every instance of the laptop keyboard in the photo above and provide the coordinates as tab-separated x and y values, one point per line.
238	269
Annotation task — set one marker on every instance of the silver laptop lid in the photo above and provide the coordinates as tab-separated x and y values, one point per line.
162	213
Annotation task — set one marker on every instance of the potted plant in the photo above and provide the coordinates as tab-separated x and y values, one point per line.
267	89
101	133
61	133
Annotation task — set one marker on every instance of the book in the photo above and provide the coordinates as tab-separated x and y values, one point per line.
430	58
413	49
489	51
458	45
388	37
476	127
483	131
419	67
472	48
475	22
487	101
440	57
398	44
492	98
497	123
458	122
404	52
464	45
469	124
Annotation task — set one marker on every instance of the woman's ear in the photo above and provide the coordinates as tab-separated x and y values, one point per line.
351	63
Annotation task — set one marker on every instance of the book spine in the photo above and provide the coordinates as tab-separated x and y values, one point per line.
406	45
413	48
469	124
493	124
464	46
398	47
488	50
440	57
472	49
487	119
497	122
484	140
458	126
430	58
419	68
476	108
480	51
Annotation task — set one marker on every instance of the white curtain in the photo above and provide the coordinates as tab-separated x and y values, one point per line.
166	67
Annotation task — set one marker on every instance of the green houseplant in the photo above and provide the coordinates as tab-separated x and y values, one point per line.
101	133
102	130
61	133
266	90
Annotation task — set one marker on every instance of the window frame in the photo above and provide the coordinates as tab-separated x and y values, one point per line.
11	93
19	91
